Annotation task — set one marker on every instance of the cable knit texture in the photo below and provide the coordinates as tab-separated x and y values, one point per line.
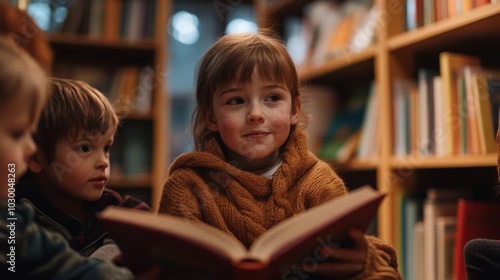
203	187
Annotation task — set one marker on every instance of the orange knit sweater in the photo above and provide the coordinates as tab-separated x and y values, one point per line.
203	187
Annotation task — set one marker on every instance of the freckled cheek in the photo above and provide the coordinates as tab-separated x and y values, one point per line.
229	124
282	123
229	130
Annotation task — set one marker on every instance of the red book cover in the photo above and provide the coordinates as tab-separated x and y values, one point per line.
478	3
475	219
198	251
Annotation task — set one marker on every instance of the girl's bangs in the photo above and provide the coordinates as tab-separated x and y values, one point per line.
240	68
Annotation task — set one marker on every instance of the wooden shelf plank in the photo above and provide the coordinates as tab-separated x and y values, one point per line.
355	164
281	7
339	65
475	23
85	41
130	181
445	162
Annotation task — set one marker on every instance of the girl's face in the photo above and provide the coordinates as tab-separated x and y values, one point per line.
16	143
253	120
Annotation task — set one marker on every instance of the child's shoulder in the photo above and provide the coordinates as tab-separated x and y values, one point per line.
112	197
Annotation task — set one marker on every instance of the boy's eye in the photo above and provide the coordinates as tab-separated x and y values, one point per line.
85	148
235	101
18	134
107	148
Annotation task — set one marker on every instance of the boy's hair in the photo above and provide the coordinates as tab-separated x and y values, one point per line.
234	58
74	108
23	31
20	73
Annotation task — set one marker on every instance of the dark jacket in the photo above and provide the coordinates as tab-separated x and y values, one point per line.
28	251
84	236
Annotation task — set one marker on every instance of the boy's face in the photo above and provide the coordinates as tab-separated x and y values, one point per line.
80	169
253	120
16	143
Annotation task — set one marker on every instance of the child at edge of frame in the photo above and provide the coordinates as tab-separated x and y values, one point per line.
481	255
28	251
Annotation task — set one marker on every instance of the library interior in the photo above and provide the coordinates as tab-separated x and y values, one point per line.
402	95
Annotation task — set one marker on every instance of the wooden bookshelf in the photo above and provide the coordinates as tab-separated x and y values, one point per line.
110	53
346	67
397	53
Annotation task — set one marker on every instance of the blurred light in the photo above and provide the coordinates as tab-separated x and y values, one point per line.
185	28
241	26
297	48
60	14
40	12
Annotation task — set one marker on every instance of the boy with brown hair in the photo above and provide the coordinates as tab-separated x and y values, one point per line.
68	174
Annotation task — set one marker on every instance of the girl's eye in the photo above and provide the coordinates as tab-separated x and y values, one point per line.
85	148
235	101
274	97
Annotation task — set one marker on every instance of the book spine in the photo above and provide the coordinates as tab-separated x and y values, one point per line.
250	270
112	19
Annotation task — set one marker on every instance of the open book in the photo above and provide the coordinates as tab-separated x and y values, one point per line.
198	251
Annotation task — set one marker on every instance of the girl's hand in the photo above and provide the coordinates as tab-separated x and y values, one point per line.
345	261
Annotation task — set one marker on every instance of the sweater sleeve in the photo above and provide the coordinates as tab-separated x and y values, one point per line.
107	252
111	197
381	261
178	198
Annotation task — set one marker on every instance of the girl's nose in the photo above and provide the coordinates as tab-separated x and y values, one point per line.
255	114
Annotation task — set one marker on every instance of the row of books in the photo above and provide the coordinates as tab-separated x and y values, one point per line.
343	124
111	19
435	230
419	13
131	154
445	112
450	111
129	88
334	29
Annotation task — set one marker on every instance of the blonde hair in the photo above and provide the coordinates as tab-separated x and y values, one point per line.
74	107
234	58
20	73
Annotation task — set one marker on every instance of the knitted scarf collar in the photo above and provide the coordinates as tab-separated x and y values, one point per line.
258	202
297	160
